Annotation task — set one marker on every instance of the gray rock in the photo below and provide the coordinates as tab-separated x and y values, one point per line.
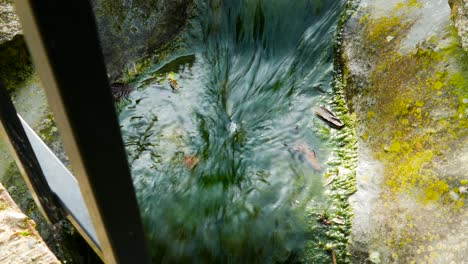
9	22
377	218
460	17
134	30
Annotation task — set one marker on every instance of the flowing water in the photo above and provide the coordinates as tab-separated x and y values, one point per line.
216	164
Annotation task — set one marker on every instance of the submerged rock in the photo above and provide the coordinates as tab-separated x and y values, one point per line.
310	155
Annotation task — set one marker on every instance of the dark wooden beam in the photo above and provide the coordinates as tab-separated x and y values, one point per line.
63	41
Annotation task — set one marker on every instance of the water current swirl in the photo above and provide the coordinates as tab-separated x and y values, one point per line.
216	165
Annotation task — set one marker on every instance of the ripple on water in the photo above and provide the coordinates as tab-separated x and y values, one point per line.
215	163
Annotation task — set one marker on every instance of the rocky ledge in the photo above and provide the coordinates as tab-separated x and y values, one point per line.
134	31
406	78
19	241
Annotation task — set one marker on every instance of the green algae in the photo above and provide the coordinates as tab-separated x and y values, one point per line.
336	217
25	233
131	33
137	74
324	237
132	72
18	189
332	235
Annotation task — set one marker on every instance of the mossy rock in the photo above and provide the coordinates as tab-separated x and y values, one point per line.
132	32
15	62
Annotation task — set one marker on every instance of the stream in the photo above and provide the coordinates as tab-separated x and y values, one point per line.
217	164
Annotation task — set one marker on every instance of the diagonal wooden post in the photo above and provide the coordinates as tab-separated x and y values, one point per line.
63	40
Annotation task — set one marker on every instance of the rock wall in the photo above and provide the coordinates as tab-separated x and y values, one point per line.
15	62
10	25
132	30
406	80
19	240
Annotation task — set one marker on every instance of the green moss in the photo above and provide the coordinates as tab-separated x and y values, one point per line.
383	27
364	19
12	178
132	73
408	4
415	124
413	136
49	132
15	62
324	132
25	233
332	237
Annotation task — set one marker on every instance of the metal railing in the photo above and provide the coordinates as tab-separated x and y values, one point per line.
99	198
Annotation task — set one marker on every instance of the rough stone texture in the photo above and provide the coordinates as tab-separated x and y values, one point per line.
134	30
15	63
9	22
31	103
130	31
460	16
19	241
407	83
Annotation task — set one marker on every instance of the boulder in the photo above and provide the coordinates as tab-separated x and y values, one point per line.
133	30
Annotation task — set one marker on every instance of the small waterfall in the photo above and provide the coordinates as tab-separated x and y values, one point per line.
216	164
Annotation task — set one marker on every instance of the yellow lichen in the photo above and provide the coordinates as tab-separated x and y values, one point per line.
381	28
365	136
409	4
403	87
414	117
